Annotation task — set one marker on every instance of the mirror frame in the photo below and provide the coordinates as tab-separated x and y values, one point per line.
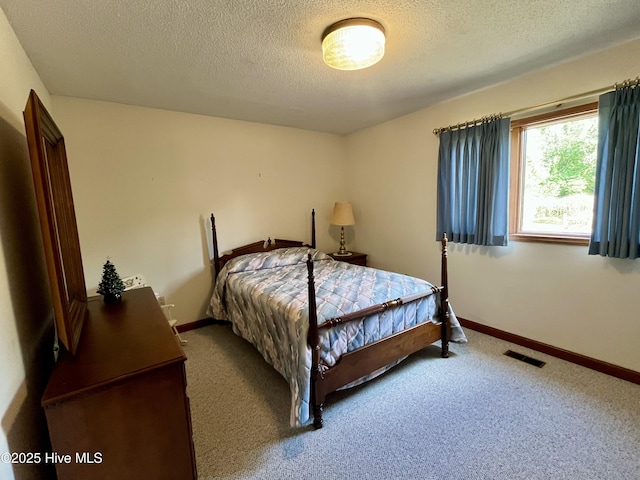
57	222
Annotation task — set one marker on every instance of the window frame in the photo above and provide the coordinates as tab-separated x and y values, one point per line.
517	172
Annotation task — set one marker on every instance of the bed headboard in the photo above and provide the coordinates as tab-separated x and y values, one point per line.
256	247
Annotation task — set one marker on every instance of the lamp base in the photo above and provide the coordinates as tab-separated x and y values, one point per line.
345	254
342	252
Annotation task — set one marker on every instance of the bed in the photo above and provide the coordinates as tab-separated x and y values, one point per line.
322	324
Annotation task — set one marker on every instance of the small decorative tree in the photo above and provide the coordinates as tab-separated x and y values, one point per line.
111	285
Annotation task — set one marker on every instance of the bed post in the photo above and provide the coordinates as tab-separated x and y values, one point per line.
317	396
214	236
444	300
313	228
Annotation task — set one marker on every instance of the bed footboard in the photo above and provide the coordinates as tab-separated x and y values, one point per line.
367	359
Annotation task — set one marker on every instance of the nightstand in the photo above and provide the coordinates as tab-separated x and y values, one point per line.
355	258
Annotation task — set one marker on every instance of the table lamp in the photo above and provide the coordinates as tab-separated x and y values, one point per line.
342	216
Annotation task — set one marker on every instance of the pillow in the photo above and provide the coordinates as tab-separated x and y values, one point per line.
279	257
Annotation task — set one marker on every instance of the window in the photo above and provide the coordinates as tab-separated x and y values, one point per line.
553	162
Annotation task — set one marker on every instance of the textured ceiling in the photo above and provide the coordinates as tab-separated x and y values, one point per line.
261	60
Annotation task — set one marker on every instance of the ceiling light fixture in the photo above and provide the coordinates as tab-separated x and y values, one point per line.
353	44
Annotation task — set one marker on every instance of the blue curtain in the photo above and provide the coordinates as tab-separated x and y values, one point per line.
473	184
616	221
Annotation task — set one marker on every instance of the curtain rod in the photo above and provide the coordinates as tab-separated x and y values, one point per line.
580	96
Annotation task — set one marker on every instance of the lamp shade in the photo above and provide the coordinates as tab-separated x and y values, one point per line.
342	214
353	44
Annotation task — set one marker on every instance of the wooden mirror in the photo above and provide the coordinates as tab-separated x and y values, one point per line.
57	221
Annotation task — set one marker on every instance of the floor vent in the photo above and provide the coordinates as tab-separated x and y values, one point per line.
524	358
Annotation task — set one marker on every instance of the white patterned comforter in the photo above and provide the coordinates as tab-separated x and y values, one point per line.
265	296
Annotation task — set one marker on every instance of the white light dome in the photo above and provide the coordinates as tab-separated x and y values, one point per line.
353	44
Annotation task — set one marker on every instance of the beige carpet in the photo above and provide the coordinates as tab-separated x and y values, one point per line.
476	415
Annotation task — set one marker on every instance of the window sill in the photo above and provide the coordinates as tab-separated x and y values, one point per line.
546	238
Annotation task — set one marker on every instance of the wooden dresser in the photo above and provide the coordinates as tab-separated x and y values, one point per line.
119	407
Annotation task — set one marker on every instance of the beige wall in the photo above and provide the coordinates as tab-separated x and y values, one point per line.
145	182
551	293
24	297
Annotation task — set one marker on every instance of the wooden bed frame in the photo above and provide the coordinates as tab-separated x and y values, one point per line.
364	360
